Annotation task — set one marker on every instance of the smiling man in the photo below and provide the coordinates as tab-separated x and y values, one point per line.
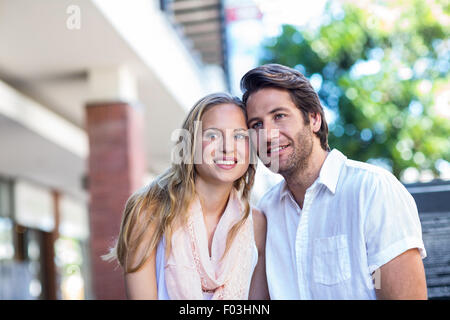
336	228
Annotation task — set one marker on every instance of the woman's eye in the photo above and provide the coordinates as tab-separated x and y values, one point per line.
240	136
212	136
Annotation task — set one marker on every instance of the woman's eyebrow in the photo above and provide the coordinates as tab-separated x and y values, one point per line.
238	129
215	129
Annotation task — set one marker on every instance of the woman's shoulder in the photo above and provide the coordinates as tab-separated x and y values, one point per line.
258	216
259	227
259	222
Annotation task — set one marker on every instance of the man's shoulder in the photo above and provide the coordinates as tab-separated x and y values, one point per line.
366	172
368	178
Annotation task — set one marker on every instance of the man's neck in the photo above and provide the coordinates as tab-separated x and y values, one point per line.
299	181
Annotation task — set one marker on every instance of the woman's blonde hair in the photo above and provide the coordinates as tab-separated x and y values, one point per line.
159	205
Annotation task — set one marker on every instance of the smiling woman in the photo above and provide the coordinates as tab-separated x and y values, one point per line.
183	236
225	143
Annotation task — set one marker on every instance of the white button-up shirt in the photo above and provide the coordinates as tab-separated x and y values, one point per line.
355	218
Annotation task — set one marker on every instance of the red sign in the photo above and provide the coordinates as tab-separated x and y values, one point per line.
243	13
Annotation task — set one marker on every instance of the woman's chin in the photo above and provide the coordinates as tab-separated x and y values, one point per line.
227	179
229	176
216	175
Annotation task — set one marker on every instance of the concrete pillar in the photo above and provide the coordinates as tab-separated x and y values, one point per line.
116	169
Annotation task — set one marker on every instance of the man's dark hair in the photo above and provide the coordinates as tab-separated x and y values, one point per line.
299	88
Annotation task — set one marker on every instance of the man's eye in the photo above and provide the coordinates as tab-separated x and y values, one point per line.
257	125
279	116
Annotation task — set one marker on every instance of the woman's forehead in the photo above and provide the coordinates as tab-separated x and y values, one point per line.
224	116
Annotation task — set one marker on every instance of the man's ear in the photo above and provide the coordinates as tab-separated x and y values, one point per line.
315	119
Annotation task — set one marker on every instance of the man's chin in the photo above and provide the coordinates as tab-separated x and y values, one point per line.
276	167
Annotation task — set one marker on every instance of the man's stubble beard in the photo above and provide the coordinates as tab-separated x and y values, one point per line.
298	160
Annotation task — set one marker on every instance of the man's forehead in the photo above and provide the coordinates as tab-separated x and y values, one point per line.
265	107
269	97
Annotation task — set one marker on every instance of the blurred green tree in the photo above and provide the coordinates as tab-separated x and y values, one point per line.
383	70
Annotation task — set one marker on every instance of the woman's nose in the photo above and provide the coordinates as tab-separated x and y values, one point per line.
228	144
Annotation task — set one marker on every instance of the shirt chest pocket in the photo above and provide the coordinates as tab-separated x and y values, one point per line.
331	260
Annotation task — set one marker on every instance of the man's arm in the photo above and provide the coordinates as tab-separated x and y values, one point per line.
402	278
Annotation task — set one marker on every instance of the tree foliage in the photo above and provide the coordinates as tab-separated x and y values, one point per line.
383	70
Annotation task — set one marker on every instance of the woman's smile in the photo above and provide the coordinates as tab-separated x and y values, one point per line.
226	163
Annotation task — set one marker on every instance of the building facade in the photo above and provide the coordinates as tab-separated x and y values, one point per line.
90	93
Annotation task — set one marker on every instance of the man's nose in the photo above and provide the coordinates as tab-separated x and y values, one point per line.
271	132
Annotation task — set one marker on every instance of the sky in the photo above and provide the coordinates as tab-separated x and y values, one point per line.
246	36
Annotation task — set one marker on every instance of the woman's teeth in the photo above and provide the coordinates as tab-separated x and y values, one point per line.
225	162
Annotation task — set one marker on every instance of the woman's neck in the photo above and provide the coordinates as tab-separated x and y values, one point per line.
213	196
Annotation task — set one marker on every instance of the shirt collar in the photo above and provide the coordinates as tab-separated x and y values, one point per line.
331	169
284	190
329	173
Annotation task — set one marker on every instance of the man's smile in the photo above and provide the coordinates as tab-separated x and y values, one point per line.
277	149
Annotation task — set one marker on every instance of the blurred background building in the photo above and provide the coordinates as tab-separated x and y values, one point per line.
91	91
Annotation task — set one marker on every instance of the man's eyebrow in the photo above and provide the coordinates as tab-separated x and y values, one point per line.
278	109
275	110
253	119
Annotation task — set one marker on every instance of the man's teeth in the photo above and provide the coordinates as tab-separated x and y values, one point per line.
278	148
225	162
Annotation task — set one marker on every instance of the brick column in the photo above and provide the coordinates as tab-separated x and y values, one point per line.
116	169
48	239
